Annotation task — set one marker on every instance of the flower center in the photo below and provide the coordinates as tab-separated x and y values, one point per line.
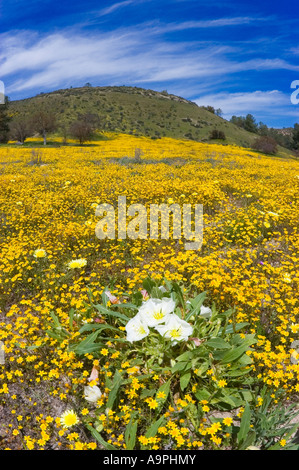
175	333
140	330
158	315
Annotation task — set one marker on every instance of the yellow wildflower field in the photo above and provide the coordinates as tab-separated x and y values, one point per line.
52	263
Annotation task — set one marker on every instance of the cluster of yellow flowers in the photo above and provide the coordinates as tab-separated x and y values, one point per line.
51	260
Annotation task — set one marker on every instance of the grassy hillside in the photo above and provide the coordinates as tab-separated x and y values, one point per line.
135	111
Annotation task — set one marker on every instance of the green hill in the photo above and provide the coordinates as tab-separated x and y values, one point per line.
134	110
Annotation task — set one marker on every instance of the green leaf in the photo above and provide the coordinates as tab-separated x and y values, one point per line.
247	395
180	366
184	380
71	319
245	424
130	434
237	372
59	335
81	350
55	319
99	438
104	297
137	298
235	353
186	356
202	394
217	343
147	393
196	303
228	399
178	291
148	285
87	345
249	440
127	305
106	311
233	328
156	293
97	326
152	431
117	381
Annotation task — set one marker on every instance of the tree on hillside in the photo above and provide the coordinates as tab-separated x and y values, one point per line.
44	122
4	122
263	129
209	108
217	134
248	123
81	131
265	144
19	129
91	119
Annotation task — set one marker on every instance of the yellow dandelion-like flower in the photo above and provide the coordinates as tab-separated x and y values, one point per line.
77	263
40	253
69	418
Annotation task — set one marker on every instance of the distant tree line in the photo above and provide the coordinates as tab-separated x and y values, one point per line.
268	138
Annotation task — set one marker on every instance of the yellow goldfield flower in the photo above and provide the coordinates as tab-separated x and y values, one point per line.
152	403
104	352
227	421
222	383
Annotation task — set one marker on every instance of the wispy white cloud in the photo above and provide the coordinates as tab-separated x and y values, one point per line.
115	6
28	61
264	103
207	24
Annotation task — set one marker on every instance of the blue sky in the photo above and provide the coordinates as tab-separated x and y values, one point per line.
240	56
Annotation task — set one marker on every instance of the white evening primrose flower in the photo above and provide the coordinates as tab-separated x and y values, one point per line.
39	253
136	329
155	311
175	329
205	312
92	393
